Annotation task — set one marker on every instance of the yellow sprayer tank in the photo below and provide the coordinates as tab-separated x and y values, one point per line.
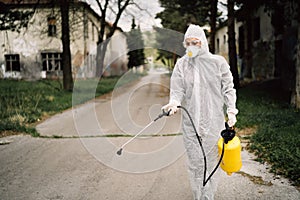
232	161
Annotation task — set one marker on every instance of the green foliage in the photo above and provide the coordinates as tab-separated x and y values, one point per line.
179	13
169	45
136	48
13	19
168	20
276	140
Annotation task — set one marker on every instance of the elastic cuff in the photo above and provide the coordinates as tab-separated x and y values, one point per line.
232	110
174	102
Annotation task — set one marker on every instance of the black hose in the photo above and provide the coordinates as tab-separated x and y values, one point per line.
202	149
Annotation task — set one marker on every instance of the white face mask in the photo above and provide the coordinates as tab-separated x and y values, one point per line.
192	51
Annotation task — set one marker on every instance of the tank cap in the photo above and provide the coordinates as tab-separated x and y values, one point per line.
228	133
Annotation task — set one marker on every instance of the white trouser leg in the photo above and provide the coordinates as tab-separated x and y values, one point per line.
196	168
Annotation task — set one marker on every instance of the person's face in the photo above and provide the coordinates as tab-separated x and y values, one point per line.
192	42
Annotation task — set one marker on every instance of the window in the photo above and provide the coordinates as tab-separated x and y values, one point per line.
218	45
224	39
12	62
51	61
51	26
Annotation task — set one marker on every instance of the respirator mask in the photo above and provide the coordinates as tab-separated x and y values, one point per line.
192	48
193	51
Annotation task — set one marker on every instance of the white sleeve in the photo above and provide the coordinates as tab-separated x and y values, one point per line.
228	90
177	87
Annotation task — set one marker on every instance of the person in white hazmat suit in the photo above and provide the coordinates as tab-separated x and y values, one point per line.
203	84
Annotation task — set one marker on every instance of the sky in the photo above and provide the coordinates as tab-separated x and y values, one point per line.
144	14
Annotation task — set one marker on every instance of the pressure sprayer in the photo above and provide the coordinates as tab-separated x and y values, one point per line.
229	143
229	147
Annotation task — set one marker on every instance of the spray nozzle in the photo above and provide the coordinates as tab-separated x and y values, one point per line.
228	133
119	152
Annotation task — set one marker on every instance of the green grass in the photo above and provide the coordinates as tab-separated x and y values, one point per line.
23	103
276	140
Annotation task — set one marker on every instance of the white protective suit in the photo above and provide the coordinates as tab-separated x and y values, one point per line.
203	84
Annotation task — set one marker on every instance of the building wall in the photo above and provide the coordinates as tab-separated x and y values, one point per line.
29	43
221	40
34	41
262	45
84	36
263	55
266	29
116	59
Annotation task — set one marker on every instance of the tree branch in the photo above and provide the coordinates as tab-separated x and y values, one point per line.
120	11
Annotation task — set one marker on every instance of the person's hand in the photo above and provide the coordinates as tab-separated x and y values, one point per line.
231	119
172	107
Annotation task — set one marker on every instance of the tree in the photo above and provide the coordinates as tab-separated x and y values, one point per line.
135	44
177	15
212	23
66	54
14	20
169	45
296	94
104	5
231	43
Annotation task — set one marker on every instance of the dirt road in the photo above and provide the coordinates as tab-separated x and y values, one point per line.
83	164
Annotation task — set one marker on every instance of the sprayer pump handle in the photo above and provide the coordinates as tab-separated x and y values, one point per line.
228	133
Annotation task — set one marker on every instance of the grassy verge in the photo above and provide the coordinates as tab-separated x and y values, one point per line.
276	140
24	103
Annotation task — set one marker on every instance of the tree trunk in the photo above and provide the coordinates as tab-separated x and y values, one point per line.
295	100
66	55
231	44
101	51
213	18
98	60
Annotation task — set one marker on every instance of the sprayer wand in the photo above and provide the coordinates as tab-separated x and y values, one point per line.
119	152
227	134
